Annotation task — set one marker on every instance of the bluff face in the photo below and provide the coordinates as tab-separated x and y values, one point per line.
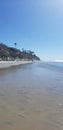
10	53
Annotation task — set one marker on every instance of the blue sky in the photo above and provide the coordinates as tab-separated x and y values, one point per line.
33	24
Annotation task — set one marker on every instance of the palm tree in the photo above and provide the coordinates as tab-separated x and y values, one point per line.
15	44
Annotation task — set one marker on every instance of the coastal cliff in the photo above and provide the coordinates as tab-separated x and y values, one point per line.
10	53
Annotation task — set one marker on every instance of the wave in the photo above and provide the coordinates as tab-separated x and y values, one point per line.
57	66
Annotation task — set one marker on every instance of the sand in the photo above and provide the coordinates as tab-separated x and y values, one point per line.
31	98
6	64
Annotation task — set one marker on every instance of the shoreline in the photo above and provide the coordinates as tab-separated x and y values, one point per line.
7	64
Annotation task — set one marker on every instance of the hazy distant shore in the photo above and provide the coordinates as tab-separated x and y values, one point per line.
7	64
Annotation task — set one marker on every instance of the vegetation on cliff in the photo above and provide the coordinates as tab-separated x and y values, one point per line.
10	53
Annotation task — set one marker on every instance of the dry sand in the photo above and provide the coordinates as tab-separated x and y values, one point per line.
6	64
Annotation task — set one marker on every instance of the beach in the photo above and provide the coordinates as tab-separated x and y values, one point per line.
31	97
6	64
